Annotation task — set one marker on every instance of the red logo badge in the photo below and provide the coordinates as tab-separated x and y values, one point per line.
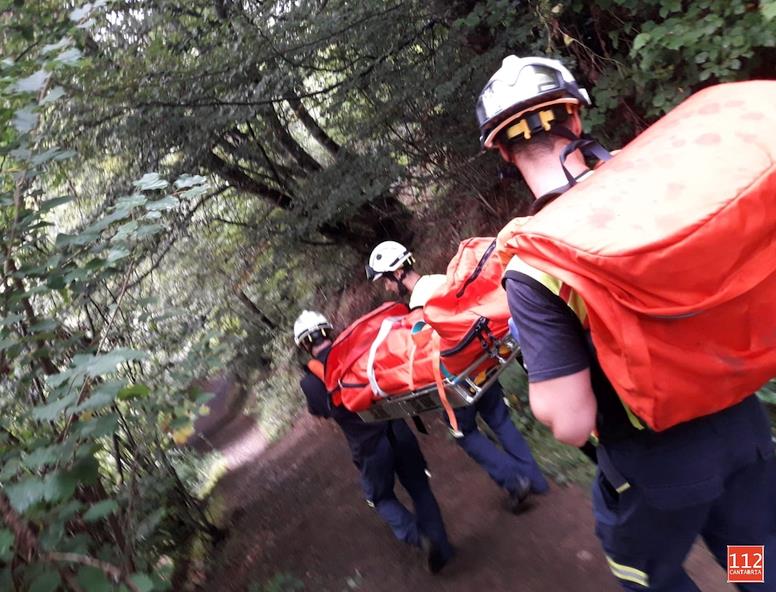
746	563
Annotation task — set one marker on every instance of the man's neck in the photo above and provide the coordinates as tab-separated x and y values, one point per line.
320	347
410	280
544	174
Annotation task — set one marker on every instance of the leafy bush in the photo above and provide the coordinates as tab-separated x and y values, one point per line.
93	395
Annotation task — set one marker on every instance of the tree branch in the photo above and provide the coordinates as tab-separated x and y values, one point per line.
234	222
252	306
270	162
114	573
26	543
282	135
174	238
241	180
105	330
316	131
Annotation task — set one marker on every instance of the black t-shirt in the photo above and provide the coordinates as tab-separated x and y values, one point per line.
554	344
362	436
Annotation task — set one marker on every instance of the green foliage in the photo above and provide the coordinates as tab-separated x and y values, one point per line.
712	41
90	395
768	393
281	582
642	58
180	177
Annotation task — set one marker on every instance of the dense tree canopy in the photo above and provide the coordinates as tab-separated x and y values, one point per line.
179	177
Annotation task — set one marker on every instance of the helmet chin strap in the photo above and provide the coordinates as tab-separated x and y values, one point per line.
314	339
403	291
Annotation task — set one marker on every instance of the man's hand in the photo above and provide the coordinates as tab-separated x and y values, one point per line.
566	405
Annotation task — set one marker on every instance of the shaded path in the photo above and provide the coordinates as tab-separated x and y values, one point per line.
226	428
296	509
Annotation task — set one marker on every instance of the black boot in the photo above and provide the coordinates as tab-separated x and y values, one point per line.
518	499
434	558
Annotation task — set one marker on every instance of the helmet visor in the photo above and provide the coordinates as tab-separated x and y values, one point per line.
512	89
371	274
313	337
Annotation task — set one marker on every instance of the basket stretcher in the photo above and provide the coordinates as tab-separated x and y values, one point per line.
461	389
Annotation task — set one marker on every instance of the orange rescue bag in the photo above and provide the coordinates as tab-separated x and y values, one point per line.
377	356
470	309
672	247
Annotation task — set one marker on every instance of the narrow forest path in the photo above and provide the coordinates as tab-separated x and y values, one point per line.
296	509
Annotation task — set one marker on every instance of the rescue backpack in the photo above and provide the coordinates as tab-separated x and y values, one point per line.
672	247
470	310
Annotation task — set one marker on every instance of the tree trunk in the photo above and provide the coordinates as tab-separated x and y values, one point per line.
316	131
251	305
238	178
289	143
383	219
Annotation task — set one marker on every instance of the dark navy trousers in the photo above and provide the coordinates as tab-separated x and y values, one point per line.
507	464
656	493
399	454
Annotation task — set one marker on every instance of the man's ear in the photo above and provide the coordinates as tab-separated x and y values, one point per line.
504	152
575	123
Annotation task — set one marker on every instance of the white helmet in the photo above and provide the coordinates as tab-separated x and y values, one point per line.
523	85
309	327
386	257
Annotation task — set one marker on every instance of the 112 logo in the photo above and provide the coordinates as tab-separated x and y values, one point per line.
746	563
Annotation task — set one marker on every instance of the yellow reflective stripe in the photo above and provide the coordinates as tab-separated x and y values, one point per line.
545	279
553	284
635	421
627	573
624	487
574	302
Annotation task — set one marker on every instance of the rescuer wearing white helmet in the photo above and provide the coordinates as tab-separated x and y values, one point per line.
533	104
311	329
380	452
511	466
654	492
394	263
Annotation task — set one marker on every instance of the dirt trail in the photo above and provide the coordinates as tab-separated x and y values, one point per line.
297	509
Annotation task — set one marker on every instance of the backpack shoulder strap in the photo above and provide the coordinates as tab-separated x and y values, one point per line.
316	368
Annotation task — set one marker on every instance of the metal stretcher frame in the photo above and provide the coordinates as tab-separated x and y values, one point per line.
461	389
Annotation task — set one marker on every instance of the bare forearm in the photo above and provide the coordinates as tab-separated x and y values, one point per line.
566	405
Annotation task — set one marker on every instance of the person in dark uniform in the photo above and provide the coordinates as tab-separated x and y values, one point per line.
381	451
512	465
655	492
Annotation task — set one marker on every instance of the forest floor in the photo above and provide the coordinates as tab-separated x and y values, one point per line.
297	521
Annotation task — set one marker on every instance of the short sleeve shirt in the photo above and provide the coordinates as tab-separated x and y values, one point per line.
425	288
554	344
552	340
